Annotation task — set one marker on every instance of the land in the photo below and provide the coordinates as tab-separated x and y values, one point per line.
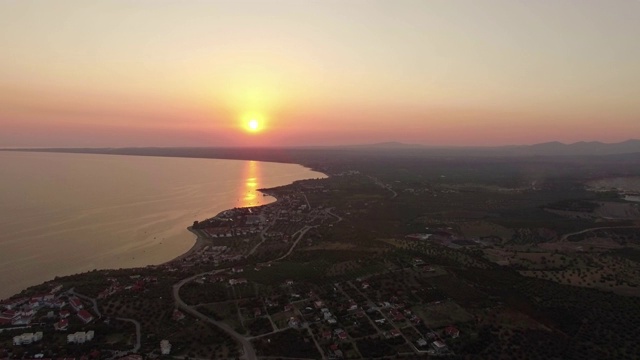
398	253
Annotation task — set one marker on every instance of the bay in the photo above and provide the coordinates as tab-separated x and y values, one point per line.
62	214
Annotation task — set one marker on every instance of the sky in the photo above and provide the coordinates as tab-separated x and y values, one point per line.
332	72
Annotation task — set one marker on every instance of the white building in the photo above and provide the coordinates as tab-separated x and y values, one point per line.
80	337
165	347
27	338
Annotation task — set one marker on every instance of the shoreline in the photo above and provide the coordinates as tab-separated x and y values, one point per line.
199	244
199	241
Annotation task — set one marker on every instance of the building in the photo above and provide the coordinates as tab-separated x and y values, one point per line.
165	347
85	316
439	346
452	331
80	337
177	315
61	325
75	303
27	338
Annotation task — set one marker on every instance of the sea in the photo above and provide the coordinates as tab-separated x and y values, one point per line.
62	214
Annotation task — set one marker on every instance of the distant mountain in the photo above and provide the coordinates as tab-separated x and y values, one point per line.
580	148
385	145
554	148
629	149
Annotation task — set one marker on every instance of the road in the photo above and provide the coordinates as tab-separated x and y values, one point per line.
249	352
302	232
328	211
565	236
136	347
92	300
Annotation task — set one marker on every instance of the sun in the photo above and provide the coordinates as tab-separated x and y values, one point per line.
253	125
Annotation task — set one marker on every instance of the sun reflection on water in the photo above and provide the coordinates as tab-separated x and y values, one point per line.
252	183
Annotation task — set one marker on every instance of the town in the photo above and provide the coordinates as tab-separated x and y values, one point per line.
353	266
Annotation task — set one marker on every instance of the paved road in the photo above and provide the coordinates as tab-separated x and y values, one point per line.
566	236
249	352
302	232
328	211
92	300
136	347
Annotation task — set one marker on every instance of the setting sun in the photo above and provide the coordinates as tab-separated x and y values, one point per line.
253	125
252	122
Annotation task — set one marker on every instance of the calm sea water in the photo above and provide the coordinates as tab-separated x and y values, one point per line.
62	214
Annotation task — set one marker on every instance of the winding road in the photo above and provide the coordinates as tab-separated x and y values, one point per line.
249	352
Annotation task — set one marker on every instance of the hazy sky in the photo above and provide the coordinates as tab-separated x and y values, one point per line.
439	72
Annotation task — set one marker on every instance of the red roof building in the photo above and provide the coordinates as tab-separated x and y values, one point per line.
61	325
452	331
85	316
75	303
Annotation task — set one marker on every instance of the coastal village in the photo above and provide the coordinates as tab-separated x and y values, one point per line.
292	279
233	248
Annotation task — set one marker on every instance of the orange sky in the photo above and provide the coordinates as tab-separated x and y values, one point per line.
435	72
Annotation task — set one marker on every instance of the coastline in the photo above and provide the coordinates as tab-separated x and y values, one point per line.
197	246
200	240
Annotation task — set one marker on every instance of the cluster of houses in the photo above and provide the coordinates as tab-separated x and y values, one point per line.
139	283
233	222
21	311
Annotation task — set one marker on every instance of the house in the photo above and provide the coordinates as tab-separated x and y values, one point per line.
421	342
85	316
61	325
21	320
289	282
14	303
326	334
9	314
343	336
59	303
452	331
257	312
177	315
75	303
439	346
394	333
365	285
165	347
64	314
294	322
318	304
288	307
237	281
